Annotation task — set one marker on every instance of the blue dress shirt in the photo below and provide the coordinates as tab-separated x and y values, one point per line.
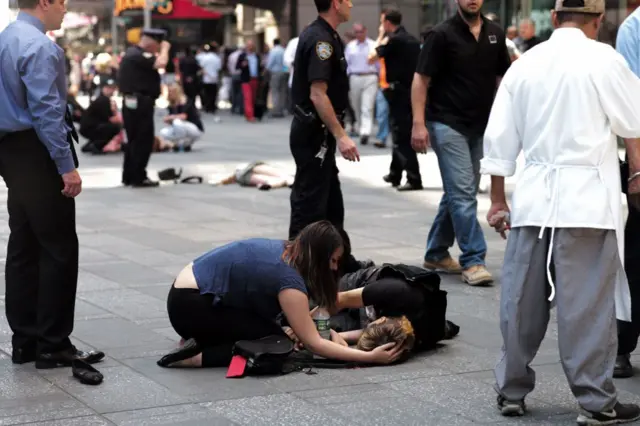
275	60
33	92
628	41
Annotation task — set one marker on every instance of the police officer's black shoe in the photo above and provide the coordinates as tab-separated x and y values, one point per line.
410	187
147	183
623	368
392	180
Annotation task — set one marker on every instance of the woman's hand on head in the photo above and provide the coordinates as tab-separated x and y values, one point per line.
386	354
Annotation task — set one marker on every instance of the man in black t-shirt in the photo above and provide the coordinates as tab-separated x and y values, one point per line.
461	64
101	122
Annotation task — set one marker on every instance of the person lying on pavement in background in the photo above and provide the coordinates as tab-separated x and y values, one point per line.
259	175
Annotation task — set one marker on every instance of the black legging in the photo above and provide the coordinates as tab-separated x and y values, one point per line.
215	328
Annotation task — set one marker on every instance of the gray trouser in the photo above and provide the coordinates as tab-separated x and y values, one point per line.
584	266
278	92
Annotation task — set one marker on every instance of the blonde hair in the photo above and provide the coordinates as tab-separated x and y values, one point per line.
180	98
392	330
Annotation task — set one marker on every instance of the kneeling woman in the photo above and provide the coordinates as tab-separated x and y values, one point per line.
237	291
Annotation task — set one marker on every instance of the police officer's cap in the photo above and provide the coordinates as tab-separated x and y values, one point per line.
155	33
107	81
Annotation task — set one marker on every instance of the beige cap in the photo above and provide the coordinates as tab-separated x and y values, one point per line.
580	6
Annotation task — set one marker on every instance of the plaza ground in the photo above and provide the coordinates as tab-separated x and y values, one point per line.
134	242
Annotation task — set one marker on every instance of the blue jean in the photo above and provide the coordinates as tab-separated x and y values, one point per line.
457	218
382	117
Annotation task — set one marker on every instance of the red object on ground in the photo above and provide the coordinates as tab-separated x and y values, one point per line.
236	367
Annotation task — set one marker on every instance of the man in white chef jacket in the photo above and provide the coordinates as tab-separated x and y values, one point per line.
561	104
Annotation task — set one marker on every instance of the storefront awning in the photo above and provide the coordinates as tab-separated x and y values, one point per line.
187	9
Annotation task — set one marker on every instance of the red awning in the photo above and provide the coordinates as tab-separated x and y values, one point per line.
185	9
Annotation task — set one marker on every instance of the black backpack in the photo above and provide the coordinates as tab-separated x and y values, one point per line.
274	355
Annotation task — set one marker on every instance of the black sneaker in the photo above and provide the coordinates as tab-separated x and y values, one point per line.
511	408
620	413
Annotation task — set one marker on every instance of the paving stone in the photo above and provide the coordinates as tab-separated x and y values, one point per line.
112	333
129	304
123	389
202	384
78	421
182	415
275	410
128	273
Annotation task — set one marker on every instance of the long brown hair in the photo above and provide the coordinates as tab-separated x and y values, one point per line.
310	254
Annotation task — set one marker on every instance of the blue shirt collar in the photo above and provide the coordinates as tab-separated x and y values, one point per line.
30	19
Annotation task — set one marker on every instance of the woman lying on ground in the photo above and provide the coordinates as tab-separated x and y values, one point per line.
258	175
237	291
391	303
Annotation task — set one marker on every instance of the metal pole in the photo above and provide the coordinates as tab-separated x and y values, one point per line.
114	28
148	6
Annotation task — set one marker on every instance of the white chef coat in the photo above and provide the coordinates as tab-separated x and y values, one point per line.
561	104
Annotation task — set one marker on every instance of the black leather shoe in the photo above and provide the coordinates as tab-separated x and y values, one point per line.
390	179
410	187
623	368
66	357
188	350
23	356
364	140
147	183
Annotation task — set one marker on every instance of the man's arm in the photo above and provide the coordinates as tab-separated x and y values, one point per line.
419	90
163	58
38	66
502	141
325	111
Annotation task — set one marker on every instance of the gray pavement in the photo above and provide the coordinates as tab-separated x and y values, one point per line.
134	242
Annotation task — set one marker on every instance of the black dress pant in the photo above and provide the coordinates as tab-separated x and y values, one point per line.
140	128
316	194
215	328
628	332
41	270
209	97
404	157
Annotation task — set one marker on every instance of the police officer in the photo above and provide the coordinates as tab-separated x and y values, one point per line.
320	96
400	51
139	83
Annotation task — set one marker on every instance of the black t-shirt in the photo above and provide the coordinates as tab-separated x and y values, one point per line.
192	113
463	73
189	68
137	74
400	56
320	57
99	112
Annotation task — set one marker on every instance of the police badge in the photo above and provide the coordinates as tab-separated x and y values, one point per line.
324	50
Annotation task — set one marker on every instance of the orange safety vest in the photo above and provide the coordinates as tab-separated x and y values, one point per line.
383	75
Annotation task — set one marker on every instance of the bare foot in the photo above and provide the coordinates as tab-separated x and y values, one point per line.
181	343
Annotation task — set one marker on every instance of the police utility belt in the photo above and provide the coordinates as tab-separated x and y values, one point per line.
308	116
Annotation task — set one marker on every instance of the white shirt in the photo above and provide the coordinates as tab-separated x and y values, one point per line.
211	65
233	62
560	104
512	48
290	56
357	56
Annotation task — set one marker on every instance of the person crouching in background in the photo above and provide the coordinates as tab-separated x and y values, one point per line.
184	124
101	123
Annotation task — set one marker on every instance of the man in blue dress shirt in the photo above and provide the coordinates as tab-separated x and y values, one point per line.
628	45
38	164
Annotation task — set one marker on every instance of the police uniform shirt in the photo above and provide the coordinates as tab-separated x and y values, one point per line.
463	73
137	73
320	57
400	56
